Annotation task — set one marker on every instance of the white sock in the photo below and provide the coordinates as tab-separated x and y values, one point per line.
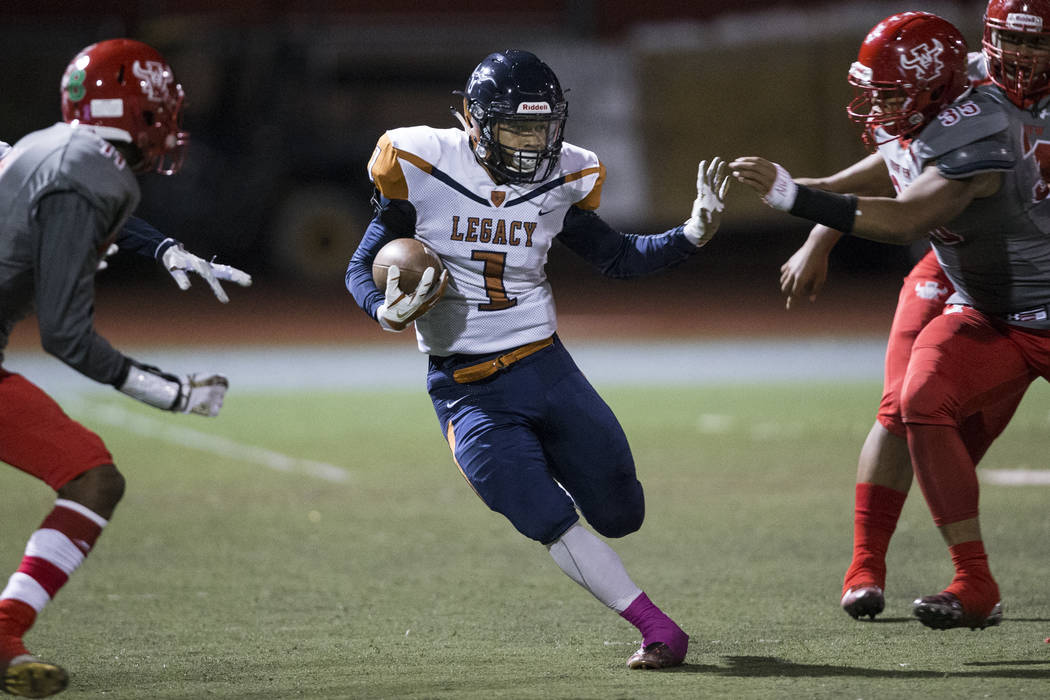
594	565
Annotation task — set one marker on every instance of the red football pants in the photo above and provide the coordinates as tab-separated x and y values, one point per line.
964	365
37	437
920	301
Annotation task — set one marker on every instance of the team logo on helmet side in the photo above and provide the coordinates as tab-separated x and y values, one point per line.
155	77
1021	22
925	60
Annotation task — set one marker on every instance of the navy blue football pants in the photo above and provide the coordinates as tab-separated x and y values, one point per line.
524	433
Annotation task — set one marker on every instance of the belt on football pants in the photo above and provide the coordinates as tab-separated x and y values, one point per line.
472	373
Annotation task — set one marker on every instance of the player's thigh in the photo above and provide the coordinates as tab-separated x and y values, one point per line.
37	437
921	299
503	461
589	454
961	363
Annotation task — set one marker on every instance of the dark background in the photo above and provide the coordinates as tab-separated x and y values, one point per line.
285	101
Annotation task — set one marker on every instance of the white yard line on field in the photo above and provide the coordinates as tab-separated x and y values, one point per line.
138	424
1015	477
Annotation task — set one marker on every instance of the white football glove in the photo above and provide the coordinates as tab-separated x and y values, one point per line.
712	183
201	394
400	309
177	260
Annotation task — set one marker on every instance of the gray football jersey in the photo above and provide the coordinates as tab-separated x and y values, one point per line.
64	194
997	251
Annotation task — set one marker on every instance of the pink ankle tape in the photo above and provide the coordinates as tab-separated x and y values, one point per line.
655	626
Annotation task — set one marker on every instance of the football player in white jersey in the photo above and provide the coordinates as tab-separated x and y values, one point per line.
65	194
526	429
970	174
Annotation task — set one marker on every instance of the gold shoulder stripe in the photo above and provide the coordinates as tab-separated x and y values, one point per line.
385	168
594	197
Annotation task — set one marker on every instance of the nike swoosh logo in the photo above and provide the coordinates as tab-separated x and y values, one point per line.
544	213
451	404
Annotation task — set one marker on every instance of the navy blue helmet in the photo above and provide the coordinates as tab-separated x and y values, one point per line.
515	114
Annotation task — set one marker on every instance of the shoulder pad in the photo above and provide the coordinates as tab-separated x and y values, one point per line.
990	154
421	146
971	118
89	165
582	168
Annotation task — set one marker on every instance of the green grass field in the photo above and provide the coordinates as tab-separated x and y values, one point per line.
231	573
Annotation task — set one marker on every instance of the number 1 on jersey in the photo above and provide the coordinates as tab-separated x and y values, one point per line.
495	263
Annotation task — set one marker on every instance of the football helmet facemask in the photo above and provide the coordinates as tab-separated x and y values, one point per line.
910	67
125	91
1017	45
515	115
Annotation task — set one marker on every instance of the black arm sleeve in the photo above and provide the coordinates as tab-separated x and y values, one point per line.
140	237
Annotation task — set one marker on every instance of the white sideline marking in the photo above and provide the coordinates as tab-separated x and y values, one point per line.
212	444
1015	477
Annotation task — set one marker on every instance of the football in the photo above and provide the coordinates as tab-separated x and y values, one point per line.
412	258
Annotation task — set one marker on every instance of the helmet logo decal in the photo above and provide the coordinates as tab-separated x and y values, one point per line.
1020	22
925	60
534	108
75	85
861	72
155	79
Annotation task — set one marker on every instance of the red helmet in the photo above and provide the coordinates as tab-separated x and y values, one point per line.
1022	76
910	67
127	92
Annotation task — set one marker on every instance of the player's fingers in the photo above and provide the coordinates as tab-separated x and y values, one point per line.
426	281
203	269
180	278
232	274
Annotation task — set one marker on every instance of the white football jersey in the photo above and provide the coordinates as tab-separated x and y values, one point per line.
493	239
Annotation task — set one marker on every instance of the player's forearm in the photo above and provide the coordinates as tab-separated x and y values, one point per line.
622	255
888	220
865	177
822	239
139	236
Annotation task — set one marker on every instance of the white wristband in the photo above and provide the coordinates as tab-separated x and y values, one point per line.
782	194
152	388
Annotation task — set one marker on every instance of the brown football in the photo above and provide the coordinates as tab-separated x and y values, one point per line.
411	258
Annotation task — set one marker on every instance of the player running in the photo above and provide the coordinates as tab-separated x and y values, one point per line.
65	194
968	175
529	433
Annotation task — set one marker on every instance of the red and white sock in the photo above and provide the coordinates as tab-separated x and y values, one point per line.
53	552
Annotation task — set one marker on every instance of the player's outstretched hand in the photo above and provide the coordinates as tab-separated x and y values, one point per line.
712	183
770	180
203	394
199	393
400	309
803	275
179	261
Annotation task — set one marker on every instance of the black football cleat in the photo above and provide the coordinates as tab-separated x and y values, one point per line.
654	656
863	600
28	677
944	612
